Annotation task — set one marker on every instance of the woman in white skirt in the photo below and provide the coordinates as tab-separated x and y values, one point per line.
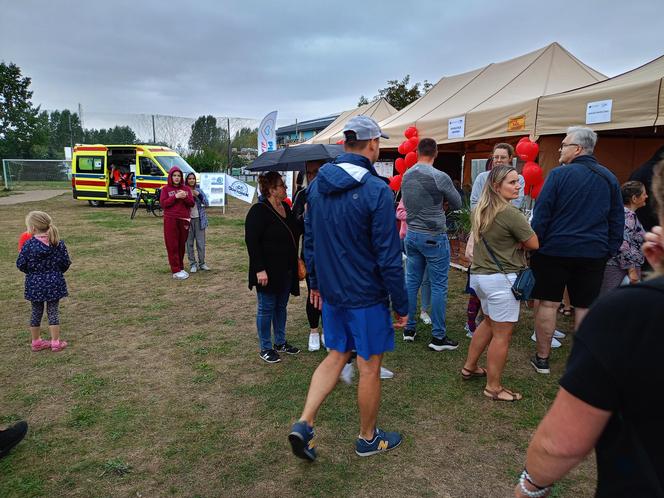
501	229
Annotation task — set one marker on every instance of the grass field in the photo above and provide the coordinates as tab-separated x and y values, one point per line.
162	393
32	185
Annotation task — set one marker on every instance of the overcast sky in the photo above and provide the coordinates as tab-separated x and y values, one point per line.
305	59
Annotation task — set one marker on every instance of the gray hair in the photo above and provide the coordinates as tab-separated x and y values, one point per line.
584	137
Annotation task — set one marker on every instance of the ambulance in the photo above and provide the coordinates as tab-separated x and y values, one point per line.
113	173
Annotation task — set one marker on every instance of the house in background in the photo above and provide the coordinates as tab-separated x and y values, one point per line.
304	130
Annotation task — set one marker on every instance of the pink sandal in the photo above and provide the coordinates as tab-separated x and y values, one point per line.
40	344
58	346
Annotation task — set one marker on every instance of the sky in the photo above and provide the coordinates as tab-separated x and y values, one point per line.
305	59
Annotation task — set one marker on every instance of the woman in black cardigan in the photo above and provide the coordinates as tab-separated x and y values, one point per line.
271	235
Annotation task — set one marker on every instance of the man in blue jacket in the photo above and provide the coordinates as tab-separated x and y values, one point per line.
353	258
579	220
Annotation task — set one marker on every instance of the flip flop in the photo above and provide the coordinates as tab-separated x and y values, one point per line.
568	311
495	395
468	375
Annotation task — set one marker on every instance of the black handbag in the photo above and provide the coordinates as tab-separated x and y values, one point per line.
523	286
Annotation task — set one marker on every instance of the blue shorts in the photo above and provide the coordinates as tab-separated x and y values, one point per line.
366	330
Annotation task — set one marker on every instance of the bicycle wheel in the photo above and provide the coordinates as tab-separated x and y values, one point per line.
136	204
156	209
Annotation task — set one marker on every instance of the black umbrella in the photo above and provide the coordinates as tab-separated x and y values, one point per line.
293	158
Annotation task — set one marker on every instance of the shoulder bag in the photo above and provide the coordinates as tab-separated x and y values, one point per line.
522	287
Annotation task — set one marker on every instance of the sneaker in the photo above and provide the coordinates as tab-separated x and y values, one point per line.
409	335
469	333
558	334
444	344
58	345
322	340
314	341
286	348
426	319
270	356
347	373
555	343
11	436
382	442
193	268
204	267
386	374
181	275
301	440
41	344
541	365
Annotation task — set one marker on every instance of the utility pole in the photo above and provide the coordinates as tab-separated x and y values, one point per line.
80	114
228	124
154	135
71	135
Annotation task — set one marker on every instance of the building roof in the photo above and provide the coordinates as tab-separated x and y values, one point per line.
309	125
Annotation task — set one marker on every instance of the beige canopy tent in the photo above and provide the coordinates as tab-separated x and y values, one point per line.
498	100
636	99
378	110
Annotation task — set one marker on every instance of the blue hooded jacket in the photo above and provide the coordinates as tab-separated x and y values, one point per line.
351	244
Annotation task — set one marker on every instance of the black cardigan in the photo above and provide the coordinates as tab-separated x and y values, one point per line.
271	247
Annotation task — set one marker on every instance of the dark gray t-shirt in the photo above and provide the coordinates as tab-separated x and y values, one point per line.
423	190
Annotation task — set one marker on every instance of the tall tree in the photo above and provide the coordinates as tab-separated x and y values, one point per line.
363	101
18	118
245	138
400	93
206	134
65	131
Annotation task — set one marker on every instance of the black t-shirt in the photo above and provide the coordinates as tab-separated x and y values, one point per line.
616	365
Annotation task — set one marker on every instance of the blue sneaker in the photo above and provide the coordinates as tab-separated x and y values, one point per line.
382	442
301	440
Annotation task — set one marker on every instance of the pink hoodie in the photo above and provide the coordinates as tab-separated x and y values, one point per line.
176	208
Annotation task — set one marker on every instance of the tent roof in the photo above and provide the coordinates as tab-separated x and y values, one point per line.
489	96
636	95
378	110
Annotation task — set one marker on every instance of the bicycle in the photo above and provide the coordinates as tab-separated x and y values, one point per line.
150	200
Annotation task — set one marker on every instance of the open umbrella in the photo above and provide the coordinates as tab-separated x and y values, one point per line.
293	158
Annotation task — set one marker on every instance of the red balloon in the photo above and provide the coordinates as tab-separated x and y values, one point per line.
400	165
527	150
415	141
410	132
340	142
395	182
408	147
411	159
524	139
535	191
400	149
532	173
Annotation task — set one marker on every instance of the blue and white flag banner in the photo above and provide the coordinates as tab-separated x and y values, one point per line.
267	133
239	189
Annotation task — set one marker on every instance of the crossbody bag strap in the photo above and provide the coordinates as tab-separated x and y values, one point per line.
284	223
495	260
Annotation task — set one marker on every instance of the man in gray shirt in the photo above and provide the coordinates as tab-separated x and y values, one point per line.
423	190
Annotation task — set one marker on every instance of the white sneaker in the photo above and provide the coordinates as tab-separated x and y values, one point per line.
205	267
347	373
469	333
193	269
426	319
558	334
385	373
555	343
314	341
181	275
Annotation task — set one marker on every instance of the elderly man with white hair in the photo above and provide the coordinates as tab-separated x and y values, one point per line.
579	220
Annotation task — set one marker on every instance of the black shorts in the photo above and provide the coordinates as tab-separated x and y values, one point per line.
582	277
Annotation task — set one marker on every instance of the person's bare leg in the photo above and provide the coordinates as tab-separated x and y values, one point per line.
55	332
322	382
545	325
479	342
368	394
496	357
579	315
35	332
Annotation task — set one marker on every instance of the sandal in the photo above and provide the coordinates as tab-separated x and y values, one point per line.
561	308
495	395
469	374
568	311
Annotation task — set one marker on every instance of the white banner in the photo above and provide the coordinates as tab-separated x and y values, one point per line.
214	187
384	169
599	112
456	127
239	189
267	133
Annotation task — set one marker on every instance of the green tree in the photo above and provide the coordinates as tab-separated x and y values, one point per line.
245	138
206	134
18	118
206	160
64	131
363	101
401	93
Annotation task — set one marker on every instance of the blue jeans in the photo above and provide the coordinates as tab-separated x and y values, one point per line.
433	253
271	314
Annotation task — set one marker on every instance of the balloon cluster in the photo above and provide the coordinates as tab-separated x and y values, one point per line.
532	172
408	149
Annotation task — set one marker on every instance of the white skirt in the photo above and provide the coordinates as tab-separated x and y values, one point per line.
495	293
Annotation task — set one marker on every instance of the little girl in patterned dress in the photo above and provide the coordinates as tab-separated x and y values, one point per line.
44	259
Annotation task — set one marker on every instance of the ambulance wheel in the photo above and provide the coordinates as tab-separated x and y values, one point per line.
96	204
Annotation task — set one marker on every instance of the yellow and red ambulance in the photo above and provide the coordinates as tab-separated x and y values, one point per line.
112	173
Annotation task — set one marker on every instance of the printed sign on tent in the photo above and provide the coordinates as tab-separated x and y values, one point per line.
214	187
239	189
384	169
599	112
517	123
455	127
